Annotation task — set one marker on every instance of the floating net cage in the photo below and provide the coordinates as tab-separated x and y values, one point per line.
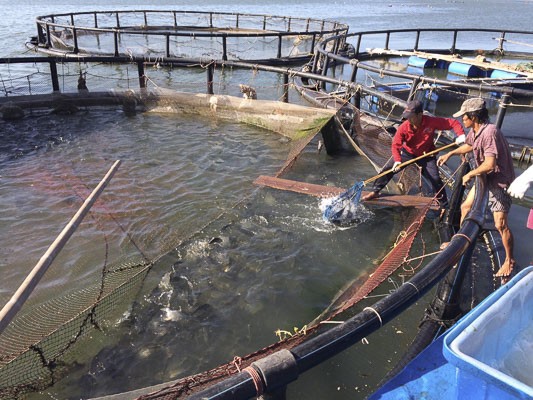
183	34
42	344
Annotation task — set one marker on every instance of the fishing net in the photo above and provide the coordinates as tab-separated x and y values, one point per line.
43	342
344	208
349	297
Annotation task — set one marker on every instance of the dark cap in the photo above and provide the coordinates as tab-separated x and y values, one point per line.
413	107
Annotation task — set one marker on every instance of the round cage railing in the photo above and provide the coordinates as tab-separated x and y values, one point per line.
185	34
514	79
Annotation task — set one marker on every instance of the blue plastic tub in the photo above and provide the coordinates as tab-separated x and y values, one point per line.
489	346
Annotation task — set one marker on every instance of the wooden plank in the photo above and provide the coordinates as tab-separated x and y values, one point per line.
330	191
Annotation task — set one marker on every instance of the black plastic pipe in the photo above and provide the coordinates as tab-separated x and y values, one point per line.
444	304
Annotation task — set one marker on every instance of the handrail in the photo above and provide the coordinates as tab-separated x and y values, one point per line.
211	13
48	24
261	67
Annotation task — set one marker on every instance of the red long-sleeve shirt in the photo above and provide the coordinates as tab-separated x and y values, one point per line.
420	141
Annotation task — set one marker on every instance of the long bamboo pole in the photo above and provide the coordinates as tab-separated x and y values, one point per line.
409	162
23	292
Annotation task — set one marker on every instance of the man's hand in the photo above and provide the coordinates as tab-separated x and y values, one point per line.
459	140
396	166
466	178
442	159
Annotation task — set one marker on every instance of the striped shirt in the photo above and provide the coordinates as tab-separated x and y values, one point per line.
489	141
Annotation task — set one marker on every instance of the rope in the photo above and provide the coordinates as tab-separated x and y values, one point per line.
463	235
422	256
520	105
375	312
413	285
258	382
237	361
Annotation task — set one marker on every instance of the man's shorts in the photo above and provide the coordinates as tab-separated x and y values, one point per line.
499	199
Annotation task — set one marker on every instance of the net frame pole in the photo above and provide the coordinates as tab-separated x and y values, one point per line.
13	306
409	162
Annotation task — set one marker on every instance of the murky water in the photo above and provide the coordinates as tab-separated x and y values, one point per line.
270	261
241	261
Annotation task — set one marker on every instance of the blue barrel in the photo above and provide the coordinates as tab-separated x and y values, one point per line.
466	70
420	62
498	73
442	64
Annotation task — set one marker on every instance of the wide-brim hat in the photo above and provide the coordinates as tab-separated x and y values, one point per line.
470	105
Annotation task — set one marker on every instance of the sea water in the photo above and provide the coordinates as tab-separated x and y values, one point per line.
272	263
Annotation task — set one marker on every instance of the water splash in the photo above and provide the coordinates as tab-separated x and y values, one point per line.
344	208
345	213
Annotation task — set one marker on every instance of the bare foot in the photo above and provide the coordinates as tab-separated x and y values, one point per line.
444	245
506	269
370	196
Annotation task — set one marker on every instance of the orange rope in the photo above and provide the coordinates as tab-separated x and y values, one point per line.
258	382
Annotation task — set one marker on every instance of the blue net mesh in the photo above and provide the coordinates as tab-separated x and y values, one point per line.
344	208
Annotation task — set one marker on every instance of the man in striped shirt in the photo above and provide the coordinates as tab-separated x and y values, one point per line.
493	159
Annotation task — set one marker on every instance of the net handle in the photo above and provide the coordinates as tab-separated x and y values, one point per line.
409	162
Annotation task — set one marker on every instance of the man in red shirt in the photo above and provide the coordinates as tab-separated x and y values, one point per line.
415	137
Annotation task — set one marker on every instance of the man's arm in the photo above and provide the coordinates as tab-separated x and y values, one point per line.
449	124
488	165
465	148
397	143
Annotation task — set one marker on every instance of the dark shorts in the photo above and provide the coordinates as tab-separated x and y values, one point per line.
499	199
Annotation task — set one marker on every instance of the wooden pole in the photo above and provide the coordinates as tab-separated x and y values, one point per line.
409	162
23	292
